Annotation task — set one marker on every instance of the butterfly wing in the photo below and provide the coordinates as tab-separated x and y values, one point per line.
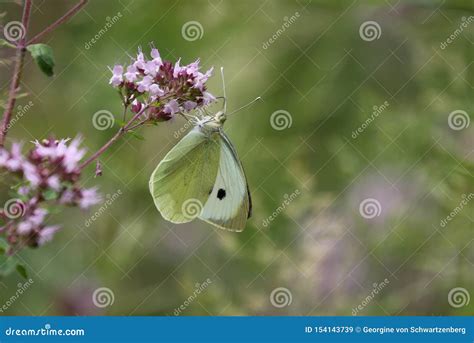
181	183
229	204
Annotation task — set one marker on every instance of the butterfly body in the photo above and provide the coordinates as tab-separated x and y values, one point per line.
203	177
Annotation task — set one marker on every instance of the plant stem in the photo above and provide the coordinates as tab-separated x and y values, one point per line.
66	16
15	82
20	57
107	145
137	125
122	131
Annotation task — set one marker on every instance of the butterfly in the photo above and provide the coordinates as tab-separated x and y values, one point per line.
202	177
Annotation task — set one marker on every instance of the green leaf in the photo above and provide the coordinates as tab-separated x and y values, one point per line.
43	55
9	264
3	244
22	270
49	194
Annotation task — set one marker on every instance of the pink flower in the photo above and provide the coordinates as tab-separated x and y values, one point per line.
117	77
24	190
73	155
151	68
193	68
31	222
201	79
89	197
16	158
140	61
31	174
38	216
174	85
177	69
155	54
24	227
54	182
136	106
145	84
67	198
16	150
132	73
4	155
50	149
189	105
47	233
171	107
14	164
49	168
207	98
155	90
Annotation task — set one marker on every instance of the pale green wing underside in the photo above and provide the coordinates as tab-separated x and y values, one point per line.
231	211
183	180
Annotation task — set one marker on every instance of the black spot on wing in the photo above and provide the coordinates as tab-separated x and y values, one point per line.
249	214
221	194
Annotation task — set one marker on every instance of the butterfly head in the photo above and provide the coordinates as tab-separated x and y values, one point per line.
212	123
220	117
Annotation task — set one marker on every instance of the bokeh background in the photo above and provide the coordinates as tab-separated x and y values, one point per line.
313	246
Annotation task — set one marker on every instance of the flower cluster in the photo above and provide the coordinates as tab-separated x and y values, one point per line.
48	176
163	88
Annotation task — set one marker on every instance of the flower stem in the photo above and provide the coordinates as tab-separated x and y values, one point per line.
15	81
66	16
20	57
122	131
107	145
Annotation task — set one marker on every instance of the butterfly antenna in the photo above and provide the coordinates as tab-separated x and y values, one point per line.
245	106
223	90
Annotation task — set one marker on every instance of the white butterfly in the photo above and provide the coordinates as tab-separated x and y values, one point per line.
203	177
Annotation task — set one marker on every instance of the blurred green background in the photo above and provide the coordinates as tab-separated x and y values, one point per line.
317	255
